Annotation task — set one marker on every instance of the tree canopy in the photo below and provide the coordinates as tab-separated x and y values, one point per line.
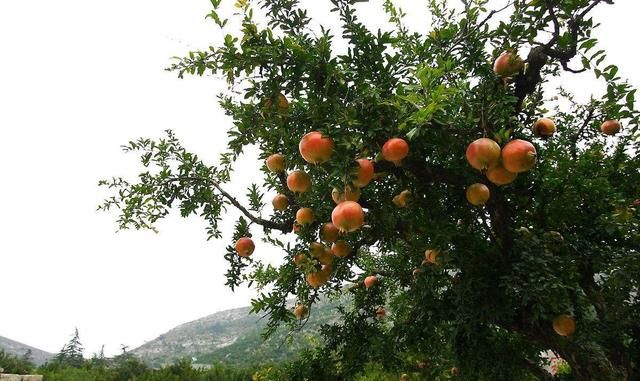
461	268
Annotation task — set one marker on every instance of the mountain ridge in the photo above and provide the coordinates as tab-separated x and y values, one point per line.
18	349
234	337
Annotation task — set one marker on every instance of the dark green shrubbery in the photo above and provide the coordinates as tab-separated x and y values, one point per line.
134	370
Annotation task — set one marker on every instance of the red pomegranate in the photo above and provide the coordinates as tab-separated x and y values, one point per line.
518	156
508	64
315	148
245	247
348	216
500	176
329	232
544	127
478	194
275	163
395	150
483	153
299	181
340	249
364	173
610	127
370	281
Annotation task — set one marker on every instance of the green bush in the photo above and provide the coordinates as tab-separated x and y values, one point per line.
13	364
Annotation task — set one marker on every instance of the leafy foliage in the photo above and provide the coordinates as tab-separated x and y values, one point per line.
563	238
133	370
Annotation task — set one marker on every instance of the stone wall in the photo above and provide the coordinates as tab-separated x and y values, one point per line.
16	377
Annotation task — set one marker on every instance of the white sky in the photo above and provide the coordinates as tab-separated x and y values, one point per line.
78	78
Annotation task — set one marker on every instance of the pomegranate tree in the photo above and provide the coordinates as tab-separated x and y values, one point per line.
391	142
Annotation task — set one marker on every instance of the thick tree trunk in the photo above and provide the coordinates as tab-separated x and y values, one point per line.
588	360
589	363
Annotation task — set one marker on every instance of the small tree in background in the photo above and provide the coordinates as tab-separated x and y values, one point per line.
71	353
500	215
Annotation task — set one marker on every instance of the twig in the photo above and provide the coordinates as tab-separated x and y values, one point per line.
476	27
578	134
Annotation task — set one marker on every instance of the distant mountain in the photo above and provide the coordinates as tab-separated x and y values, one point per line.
15	348
234	337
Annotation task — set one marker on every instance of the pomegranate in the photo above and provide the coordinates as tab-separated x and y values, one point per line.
245	247
298	259
283	103
275	163
500	176
544	127
364	173
318	278
280	202
315	148
316	249
610	127
431	256
478	194
370	281
564	325
395	150
348	216
299	181
350	194
508	64
340	249
401	200
329	232
300	311
483	153
304	216
518	156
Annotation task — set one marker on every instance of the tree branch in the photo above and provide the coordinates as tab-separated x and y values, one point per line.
527	82
283	227
556	22
566	67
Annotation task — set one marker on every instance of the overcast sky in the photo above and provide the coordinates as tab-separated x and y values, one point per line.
78	78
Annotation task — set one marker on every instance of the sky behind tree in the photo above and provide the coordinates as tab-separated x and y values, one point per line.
78	79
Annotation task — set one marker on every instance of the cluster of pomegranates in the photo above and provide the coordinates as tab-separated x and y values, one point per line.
501	165
347	216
